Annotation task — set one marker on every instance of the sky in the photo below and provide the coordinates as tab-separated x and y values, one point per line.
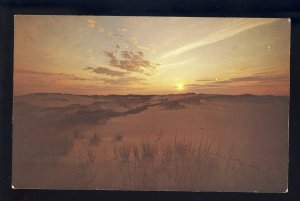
101	55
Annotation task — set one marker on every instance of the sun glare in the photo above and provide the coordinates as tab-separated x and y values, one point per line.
180	86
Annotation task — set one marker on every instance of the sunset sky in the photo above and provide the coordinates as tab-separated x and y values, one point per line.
151	55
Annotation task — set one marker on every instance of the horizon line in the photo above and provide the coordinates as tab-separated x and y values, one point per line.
243	94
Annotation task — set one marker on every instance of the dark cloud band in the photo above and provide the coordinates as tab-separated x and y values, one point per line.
106	71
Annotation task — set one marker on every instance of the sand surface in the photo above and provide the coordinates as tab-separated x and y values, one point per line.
67	141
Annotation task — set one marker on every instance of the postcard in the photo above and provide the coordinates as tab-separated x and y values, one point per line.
151	103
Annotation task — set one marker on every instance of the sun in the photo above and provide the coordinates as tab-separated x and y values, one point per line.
180	86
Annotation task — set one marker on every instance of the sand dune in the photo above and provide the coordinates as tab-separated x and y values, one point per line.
69	141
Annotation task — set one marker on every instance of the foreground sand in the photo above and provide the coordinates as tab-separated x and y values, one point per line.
189	142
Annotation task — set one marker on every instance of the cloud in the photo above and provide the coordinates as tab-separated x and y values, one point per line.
106	71
124	29
230	31
56	75
263	79
91	23
133	61
110	34
113	34
178	63
255	78
100	30
91	52
88	68
52	56
205	80
134	41
124	81
117	80
265	73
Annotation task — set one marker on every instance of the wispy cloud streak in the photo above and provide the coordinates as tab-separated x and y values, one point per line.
238	27
57	75
253	80
105	71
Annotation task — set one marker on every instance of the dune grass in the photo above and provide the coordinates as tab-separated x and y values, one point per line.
174	165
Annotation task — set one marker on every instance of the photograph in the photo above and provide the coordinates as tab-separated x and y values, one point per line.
144	103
